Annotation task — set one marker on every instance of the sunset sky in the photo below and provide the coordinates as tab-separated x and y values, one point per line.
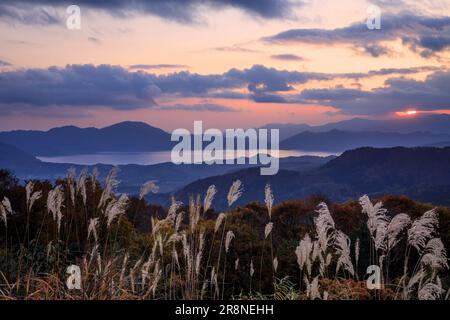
230	63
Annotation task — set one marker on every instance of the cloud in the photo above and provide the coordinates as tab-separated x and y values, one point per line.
5	63
119	88
77	85
398	94
157	66
183	11
18	12
94	40
424	35
234	48
199	107
262	79
287	57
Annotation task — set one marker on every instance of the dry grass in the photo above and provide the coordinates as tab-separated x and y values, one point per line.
177	260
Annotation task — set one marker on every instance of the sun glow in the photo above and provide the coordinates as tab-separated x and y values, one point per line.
407	113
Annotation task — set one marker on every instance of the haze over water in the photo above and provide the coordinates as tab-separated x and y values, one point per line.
153	157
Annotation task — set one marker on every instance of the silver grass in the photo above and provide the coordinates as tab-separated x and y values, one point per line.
268	199
275	264
380	237
92	228
111	184
172	213
252	268
228	239
214	281
49	249
29	190
316	252
422	229
123	269
210	193
322	265
204	286
396	226
153	253
178	221
31	196
268	229
219	221
55	201
159	241
435	254
7	204
147	187
145	271
357	251
174	238
187	254
342	244
3	215
116	208
236	264
235	192
199	253
94	177
303	252
413	281
312	289
157	274
324	226
34	197
377	221
81	184
328	259
430	291
194	212
175	257
71	174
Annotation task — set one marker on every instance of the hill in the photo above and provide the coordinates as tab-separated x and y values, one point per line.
121	137
434	123
419	172
338	140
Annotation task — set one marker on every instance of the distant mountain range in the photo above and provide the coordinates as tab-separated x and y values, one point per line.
122	137
169	176
434	123
338	140
129	136
422	173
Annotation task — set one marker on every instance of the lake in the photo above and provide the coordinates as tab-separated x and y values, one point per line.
153	157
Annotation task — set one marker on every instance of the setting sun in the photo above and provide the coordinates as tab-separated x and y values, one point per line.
407	113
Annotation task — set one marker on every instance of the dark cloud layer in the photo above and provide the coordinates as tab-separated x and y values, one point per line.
77	85
425	35
184	11
18	12
399	93
119	88
198	107
287	57
157	66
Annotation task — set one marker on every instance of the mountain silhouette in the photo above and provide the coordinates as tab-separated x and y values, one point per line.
434	123
126	136
338	140
421	173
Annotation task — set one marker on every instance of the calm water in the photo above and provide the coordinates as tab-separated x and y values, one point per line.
145	158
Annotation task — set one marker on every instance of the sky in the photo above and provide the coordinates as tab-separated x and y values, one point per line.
229	63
